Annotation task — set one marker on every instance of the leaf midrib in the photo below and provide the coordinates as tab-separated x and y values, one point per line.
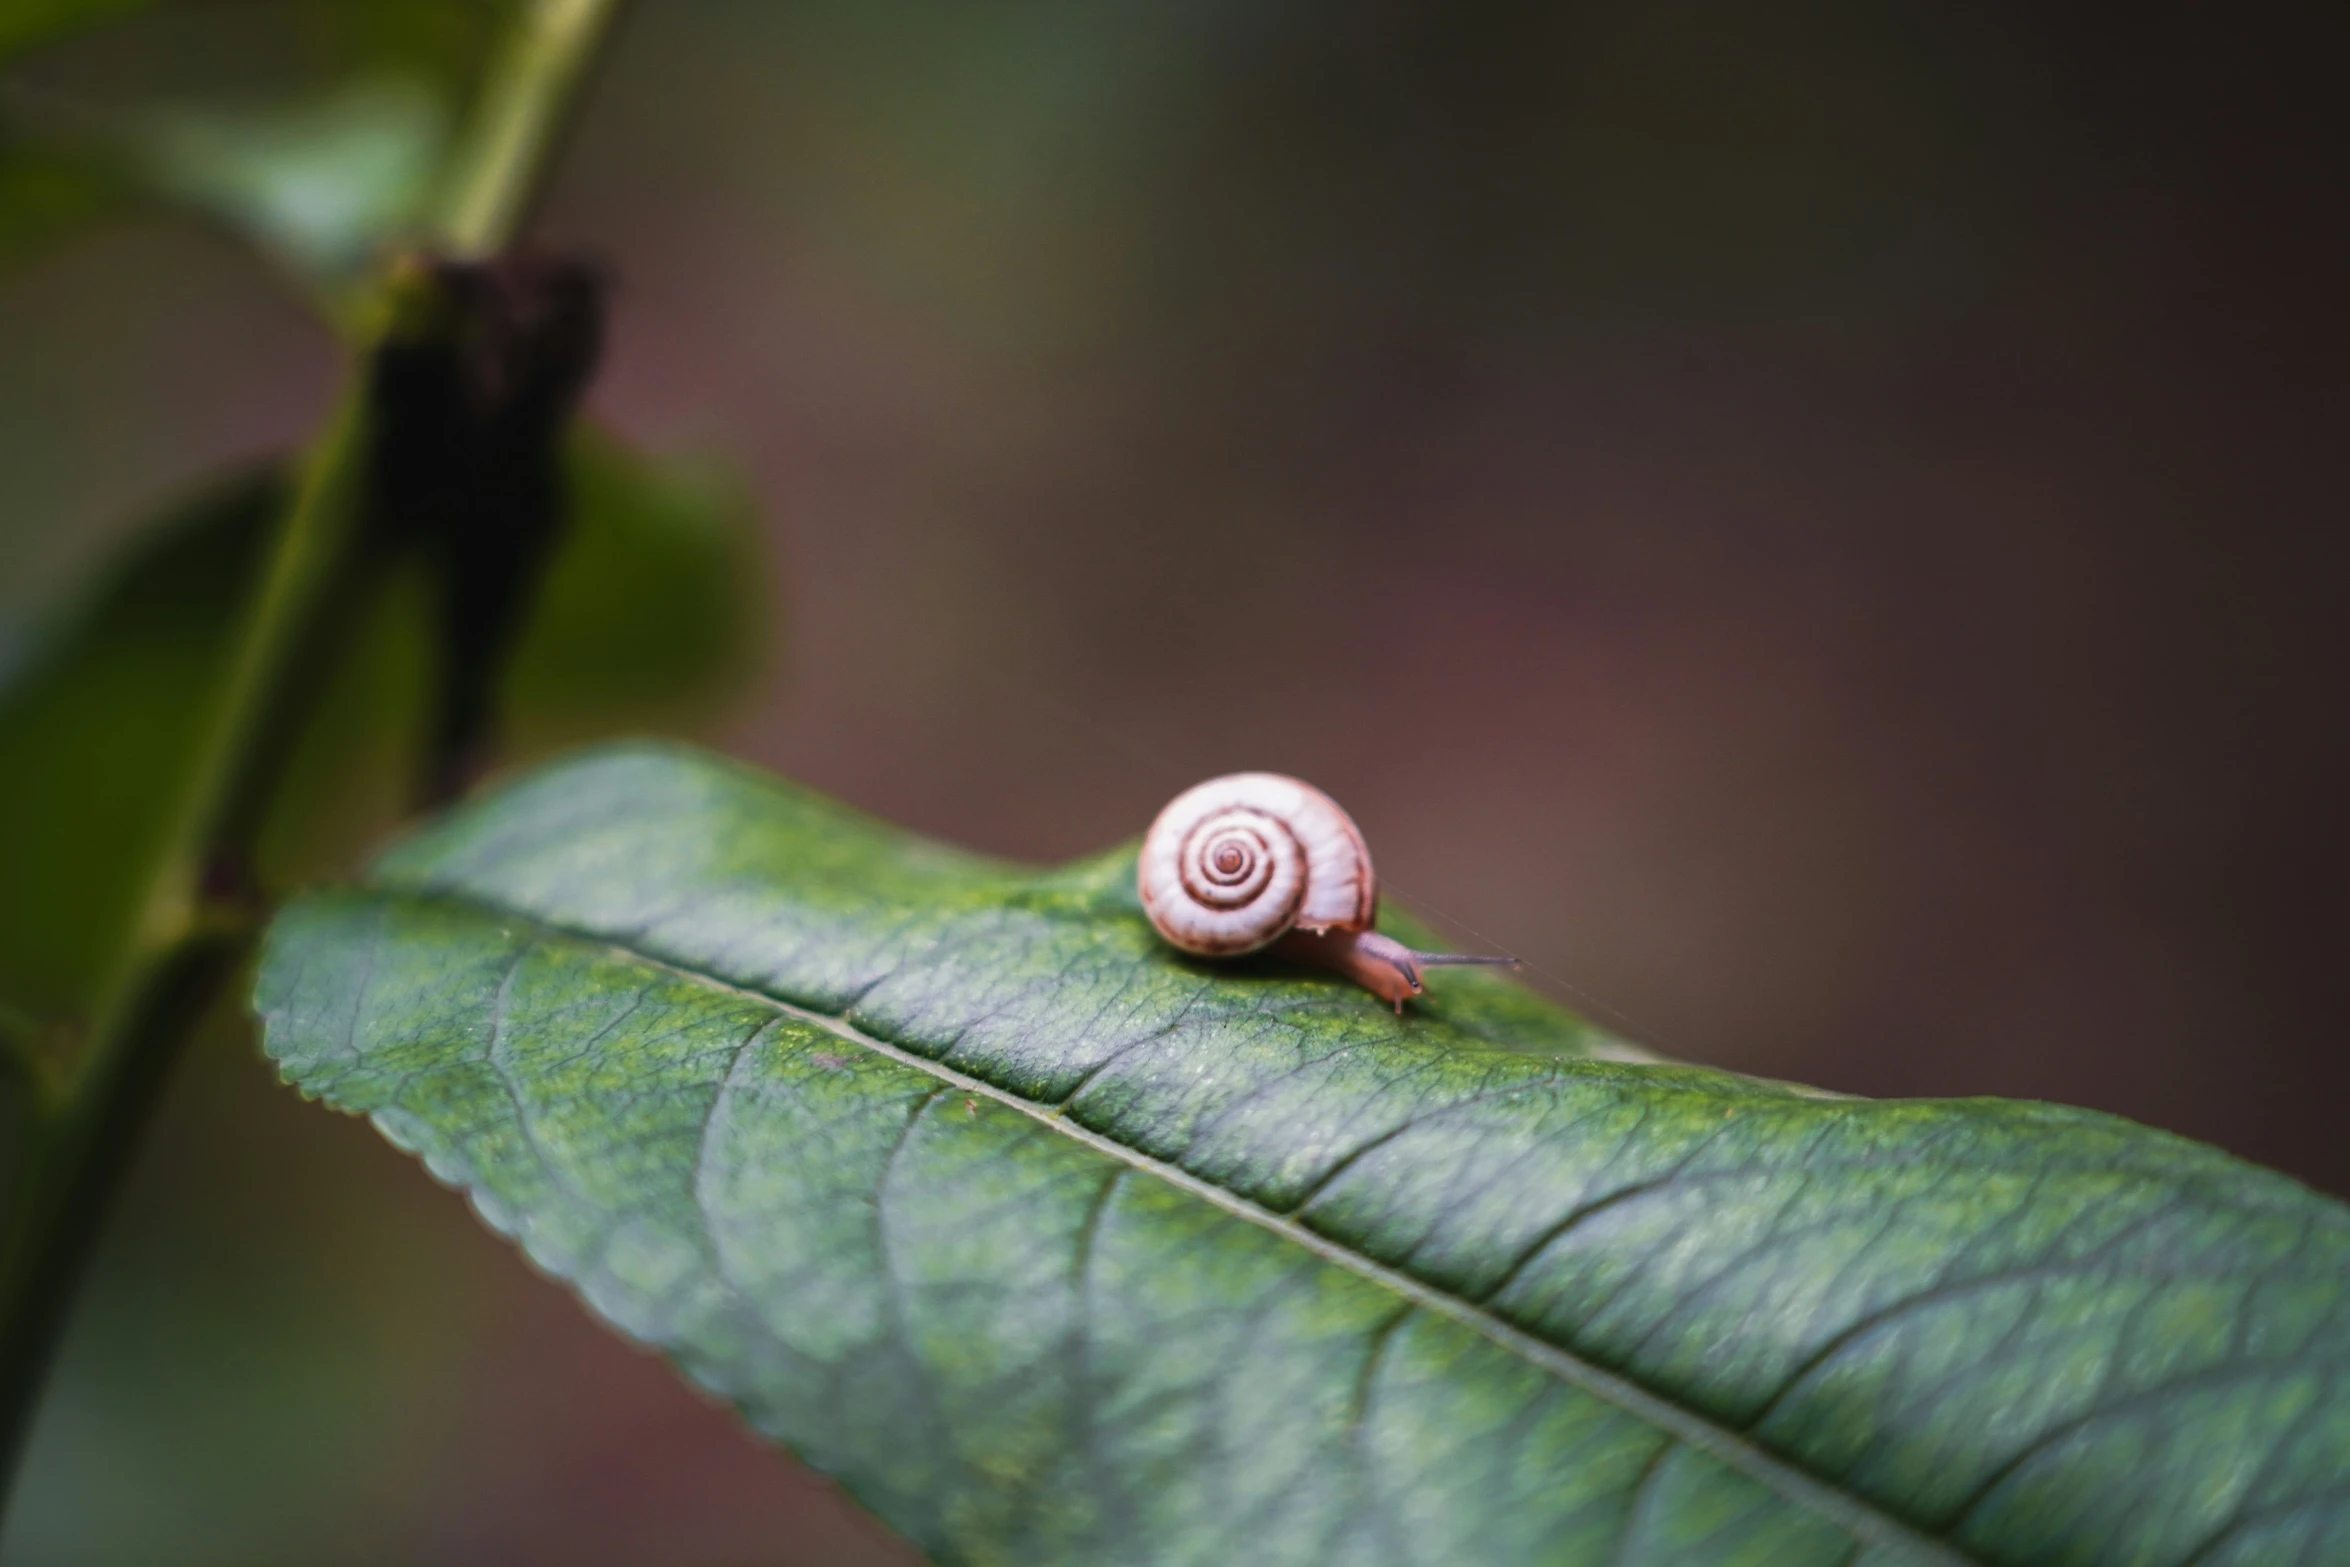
1862	1519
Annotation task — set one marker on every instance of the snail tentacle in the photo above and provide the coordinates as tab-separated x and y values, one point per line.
1380	964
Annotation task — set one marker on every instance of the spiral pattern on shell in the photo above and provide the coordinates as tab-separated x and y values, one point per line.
1234	864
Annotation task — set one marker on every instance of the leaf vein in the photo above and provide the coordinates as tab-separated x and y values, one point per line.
1858	1516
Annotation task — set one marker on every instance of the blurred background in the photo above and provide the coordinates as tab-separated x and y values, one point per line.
1819	526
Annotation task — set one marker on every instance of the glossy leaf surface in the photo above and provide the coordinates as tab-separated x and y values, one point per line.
1060	1248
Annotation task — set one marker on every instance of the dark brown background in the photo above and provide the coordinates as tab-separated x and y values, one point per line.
1821	530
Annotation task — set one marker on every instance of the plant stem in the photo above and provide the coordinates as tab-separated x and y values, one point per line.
197	927
83	1154
523	114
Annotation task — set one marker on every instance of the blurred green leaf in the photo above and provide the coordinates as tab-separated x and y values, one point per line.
645	622
339	163
96	733
47	193
439	38
27	24
322	185
653	606
1058	1247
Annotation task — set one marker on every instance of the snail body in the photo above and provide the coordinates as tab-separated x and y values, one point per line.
1252	861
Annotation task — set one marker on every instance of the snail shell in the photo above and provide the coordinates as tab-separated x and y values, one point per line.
1236	863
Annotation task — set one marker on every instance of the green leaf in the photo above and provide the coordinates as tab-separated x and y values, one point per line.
28	24
645	621
1058	1247
653	608
47	193
323	185
95	734
334	161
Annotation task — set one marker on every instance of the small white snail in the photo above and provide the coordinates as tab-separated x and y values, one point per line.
1256	860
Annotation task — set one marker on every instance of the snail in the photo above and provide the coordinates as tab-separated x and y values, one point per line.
1252	861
